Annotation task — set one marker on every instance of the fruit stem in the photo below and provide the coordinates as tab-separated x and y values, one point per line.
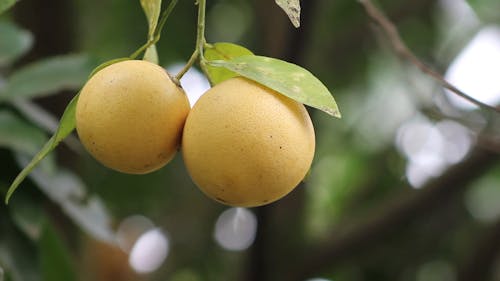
188	65
155	37
200	40
200	36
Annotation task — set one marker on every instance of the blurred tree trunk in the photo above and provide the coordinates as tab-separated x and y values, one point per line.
281	227
53	25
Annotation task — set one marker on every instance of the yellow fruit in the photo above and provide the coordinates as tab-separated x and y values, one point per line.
130	116
247	145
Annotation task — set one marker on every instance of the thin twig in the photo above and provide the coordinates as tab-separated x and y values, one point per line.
403	51
200	40
188	65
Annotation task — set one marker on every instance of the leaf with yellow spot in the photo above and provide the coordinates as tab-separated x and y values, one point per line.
286	78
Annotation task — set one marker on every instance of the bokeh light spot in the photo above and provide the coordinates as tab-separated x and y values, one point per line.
430	148
482	200
475	70
149	251
235	229
130	229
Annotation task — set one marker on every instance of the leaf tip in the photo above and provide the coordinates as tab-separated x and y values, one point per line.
15	184
332	112
11	190
7	197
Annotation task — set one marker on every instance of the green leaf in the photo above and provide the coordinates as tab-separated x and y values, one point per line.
22	137
27	214
36	114
487	10
286	78
49	76
292	9
18	135
69	192
221	51
14	42
152	10
6	4
44	120
17	254
107	63
55	260
151	54
152	39
66	126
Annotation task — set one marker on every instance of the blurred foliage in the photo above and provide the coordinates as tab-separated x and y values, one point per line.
6	4
61	223
486	9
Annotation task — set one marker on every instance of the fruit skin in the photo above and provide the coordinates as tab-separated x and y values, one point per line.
247	145
130	116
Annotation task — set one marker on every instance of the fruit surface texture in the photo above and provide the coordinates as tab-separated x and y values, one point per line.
130	116
247	145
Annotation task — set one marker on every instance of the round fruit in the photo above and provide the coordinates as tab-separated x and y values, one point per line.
130	116
247	145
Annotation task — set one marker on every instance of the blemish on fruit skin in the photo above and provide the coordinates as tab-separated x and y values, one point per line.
220	199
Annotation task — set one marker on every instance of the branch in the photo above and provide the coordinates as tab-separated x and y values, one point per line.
404	52
350	240
258	266
489	142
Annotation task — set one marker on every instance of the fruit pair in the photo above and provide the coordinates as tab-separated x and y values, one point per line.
243	144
